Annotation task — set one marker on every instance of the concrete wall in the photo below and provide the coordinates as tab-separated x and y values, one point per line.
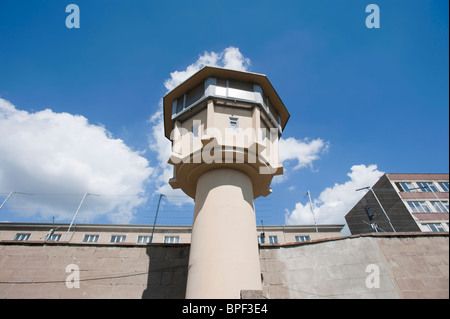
37	271
410	266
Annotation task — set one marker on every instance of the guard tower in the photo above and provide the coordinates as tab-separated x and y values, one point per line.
224	126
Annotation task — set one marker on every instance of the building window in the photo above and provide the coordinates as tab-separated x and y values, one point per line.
117	239
180	103
171	239
54	237
406	187
444	186
273	239
234	124
144	239
262	239
419	207
300	239
21	237
440	207
427	186
195	94
434	227
195	128
263	133
221	87
90	239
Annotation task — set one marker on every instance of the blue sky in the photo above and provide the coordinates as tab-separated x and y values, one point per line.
79	108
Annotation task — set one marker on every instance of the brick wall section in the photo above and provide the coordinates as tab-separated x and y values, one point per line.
411	265
37	271
419	265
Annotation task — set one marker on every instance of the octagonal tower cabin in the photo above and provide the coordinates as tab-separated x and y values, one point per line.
224	126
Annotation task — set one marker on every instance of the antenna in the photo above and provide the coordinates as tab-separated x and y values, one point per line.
385	214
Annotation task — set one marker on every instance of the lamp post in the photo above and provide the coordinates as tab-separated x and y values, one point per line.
156	217
312	211
385	214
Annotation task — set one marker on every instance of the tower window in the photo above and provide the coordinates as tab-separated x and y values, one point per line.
234	124
195	129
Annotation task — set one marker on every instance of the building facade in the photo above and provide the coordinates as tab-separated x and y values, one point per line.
142	234
402	203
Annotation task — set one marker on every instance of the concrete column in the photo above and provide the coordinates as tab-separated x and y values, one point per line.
224	256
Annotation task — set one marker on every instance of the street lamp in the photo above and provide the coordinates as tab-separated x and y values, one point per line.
312	211
156	216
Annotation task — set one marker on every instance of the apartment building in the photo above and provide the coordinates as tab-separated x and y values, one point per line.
403	203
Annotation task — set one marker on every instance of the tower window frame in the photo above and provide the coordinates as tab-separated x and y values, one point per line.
234	124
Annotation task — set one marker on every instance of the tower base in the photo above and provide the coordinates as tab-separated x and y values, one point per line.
224	256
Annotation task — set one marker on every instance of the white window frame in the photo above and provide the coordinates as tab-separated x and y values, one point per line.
118	238
273	239
440	207
434	227
419	207
171	239
90	238
22	236
444	186
430	187
144	239
54	237
408	187
234	124
300	239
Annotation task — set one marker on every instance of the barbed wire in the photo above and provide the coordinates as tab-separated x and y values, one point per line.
175	209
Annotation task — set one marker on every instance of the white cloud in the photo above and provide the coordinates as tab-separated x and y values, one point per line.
233	59
230	58
334	202
159	144
55	153
304	152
